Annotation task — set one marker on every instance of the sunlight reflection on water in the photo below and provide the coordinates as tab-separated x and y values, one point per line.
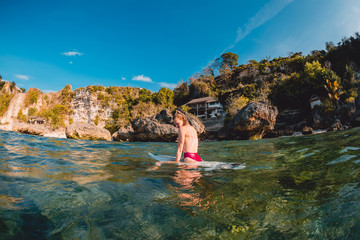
298	187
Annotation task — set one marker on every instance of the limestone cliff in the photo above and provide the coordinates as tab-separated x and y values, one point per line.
102	107
86	108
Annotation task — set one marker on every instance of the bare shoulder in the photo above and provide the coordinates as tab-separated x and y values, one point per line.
182	129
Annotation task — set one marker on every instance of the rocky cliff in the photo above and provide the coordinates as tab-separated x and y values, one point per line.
85	113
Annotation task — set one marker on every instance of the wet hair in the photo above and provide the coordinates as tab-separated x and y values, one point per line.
181	115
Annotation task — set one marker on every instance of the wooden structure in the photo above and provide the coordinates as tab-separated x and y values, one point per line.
206	107
36	120
314	101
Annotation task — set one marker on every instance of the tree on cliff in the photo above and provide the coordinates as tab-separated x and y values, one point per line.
294	91
181	93
164	97
227	60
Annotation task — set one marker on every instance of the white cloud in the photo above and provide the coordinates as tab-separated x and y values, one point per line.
123	78
22	77
70	62
141	78
168	85
72	53
267	12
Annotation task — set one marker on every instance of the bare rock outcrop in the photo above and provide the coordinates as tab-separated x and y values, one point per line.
39	130
87	108
253	121
87	131
159	128
124	134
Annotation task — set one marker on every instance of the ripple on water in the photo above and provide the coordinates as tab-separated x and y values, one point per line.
305	187
341	159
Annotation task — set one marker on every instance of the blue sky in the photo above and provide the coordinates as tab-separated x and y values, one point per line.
47	44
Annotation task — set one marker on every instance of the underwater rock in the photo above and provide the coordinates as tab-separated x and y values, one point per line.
87	131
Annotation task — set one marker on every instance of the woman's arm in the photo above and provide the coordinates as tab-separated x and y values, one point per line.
180	145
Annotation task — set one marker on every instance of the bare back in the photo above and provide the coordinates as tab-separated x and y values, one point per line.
191	139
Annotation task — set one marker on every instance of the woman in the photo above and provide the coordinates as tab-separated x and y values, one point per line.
187	139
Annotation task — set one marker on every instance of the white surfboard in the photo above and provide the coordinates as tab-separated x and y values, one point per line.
204	164
162	158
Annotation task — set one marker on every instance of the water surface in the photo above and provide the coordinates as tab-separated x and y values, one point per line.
291	188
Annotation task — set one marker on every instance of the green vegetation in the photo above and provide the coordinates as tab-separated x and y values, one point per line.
31	111
32	96
22	117
236	104
1	85
164	97
96	121
286	82
129	103
5	99
55	115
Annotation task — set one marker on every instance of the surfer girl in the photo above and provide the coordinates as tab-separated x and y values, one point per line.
188	142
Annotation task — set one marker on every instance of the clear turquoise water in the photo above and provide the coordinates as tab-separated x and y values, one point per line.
291	188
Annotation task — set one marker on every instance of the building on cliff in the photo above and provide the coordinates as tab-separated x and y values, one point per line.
205	108
314	101
36	120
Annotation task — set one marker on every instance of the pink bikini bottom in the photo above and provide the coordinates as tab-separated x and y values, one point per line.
193	156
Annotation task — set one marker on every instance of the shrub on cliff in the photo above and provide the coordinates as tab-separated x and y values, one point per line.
294	91
145	109
236	104
66	94
5	99
350	85
55	115
164	97
32	96
96	88
181	93
21	117
2	83
345	52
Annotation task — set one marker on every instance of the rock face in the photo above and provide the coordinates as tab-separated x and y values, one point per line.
87	131
87	108
307	130
160	128
288	122
37	129
151	130
253	121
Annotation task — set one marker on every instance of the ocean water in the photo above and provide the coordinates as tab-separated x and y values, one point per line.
291	188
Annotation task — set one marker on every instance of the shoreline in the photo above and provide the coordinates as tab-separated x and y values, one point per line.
62	135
